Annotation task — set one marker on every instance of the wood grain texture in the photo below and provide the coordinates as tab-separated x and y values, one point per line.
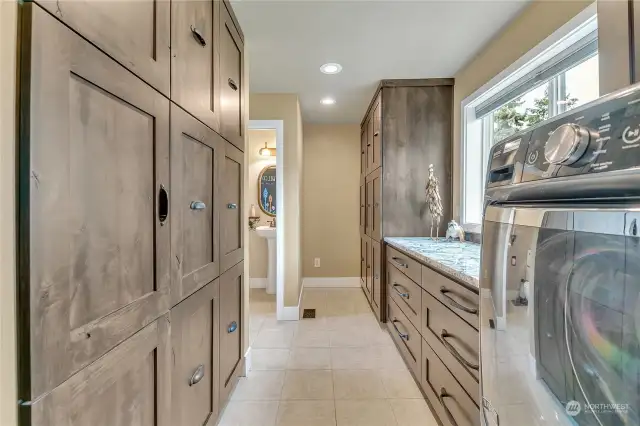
363	262
95	257
232	80
195	341
363	209
376	138
374	204
376	279
363	152
195	69
416	126
367	271
196	156
231	223
135	33
231	311
130	385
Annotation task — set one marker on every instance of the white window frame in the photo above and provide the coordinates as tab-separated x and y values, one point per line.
573	31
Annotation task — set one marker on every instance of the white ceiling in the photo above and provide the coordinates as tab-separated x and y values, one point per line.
288	41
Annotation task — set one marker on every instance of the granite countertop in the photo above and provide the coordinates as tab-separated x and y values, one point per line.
460	260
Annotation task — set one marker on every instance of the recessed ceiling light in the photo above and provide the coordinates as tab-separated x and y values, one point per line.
328	101
331	68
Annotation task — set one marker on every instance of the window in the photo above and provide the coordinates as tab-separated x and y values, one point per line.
562	77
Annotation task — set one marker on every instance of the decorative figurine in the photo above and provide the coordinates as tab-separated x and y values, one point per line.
434	202
454	231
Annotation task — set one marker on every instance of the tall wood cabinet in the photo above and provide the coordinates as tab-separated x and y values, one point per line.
130	212
407	126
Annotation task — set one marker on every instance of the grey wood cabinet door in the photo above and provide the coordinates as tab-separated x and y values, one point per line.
370	167
369	270
94	225
231	314
376	140
130	385
374	206
195	346
231	79
363	209
195	58
231	223
363	262
376	281
134	33
196	154
363	152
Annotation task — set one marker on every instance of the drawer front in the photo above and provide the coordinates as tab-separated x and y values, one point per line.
450	402
231	215
460	299
363	152
405	264
376	279
230	329
406	294
455	341
363	209
374	192
231	80
405	335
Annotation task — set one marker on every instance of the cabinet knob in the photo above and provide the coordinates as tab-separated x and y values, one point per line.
233	84
197	375
232	206
232	327
198	37
376	133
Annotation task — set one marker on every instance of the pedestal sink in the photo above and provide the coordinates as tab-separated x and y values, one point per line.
270	234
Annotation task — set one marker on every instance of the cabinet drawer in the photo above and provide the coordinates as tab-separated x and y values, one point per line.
230	329
460	299
405	264
405	335
455	341
376	279
406	294
231	80
374	206
450	402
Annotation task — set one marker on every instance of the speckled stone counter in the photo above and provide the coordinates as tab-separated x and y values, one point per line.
460	260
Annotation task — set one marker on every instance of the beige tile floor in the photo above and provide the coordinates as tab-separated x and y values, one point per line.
339	369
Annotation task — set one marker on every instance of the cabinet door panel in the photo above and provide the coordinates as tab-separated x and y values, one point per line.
131	385
376	140
376	282
196	153
363	209
370	154
195	344
363	263
195	59
374	196
134	33
232	80
363	152
231	357
231	224
369	217
95	229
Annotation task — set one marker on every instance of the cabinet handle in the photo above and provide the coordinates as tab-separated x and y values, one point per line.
232	206
197	205
233	85
454	352
403	336
399	262
368	144
376	134
197	375
452	302
441	398
163	205
376	205
232	327
198	37
404	293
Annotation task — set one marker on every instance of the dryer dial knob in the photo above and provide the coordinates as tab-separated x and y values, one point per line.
567	144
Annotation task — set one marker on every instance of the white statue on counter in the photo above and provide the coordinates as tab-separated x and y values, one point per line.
434	202
454	231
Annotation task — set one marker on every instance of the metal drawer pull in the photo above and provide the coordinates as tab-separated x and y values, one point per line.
376	133
452	302
233	84
197	205
198	37
441	398
403	336
197	375
232	327
163	205
454	352
232	206
399	262
404	293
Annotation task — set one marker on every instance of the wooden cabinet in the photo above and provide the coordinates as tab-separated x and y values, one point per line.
134	33
196	345
367	267
369	126
374	222
363	153
376	139
230	329
231	223
231	79
462	301
94	226
196	154
363	209
195	58
376	278
406	293
406	337
130	385
364	255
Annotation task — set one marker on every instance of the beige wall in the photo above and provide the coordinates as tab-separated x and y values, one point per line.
285	107
8	385
330	200
537	21
258	245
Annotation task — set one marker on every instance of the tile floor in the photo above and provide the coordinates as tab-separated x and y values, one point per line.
339	369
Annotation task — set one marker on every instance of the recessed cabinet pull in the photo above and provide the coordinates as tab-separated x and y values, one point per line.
376	133
197	375
232	327
403	336
163	205
198	37
399	262
452	302
232	206
441	397
197	205
233	84
443	335
404	293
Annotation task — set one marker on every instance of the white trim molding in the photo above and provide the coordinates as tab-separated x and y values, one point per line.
291	313
258	282
331	282
247	361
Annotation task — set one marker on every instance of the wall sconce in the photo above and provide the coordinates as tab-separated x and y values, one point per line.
267	152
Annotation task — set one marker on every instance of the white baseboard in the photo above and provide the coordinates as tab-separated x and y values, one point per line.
292	313
258	283
247	361
332	282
